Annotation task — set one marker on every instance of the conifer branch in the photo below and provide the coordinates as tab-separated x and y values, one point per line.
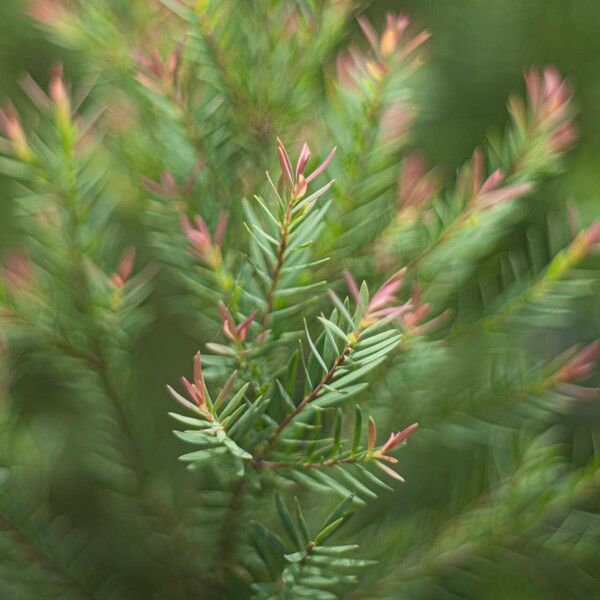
274	407
44	561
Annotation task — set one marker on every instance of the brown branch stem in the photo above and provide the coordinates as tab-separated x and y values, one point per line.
280	464
270	293
306	400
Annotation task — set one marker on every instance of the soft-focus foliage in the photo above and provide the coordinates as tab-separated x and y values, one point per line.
233	187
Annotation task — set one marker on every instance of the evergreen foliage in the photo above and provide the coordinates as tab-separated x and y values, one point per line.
334	302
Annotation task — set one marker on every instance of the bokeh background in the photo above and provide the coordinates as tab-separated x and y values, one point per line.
478	53
475	60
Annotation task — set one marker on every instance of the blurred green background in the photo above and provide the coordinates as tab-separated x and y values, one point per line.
474	61
478	51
